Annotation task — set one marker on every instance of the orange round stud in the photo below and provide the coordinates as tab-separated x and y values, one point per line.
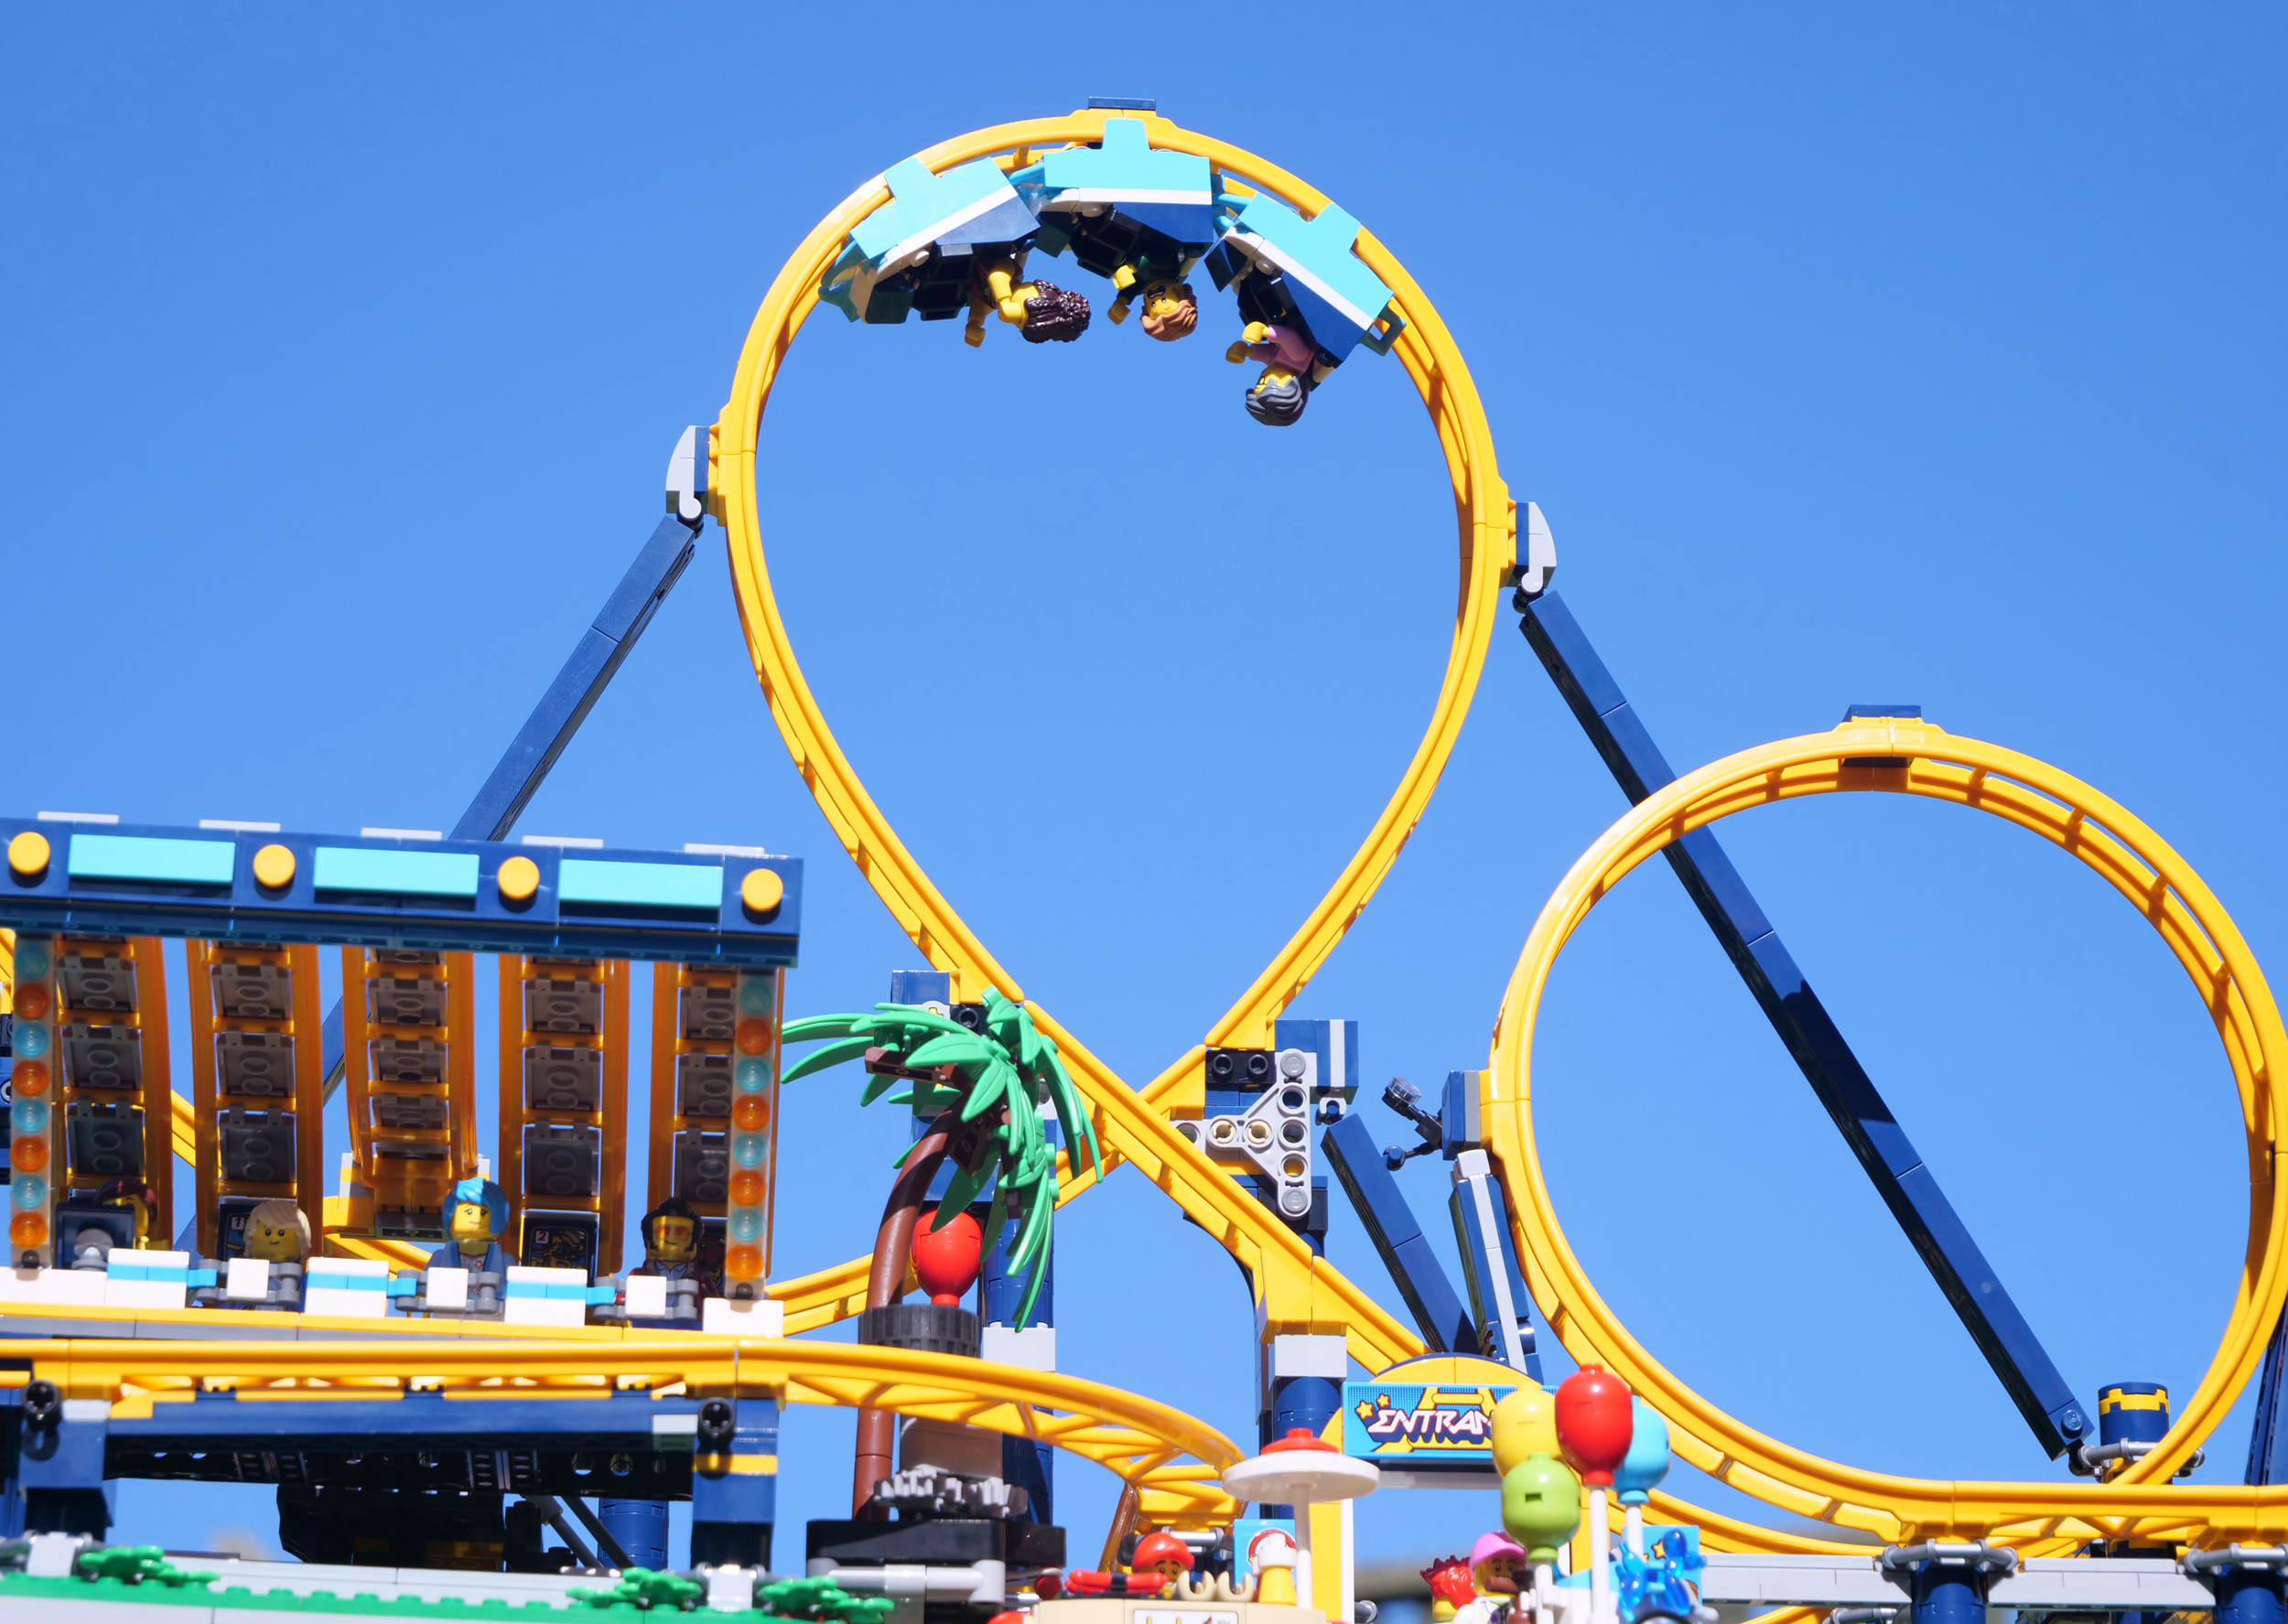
28	1156
751	1111
754	1036
742	1263
31	1001
745	1187
27	1229
519	880
761	892
273	867
27	855
31	1079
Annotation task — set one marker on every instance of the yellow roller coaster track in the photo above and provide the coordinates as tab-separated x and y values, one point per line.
2040	1519
1173	1459
1143	1441
1297	1291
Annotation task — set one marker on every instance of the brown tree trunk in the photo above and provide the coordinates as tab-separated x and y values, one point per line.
885	1283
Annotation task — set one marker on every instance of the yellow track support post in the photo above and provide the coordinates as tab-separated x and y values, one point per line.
1910	757
1295	1292
563	1109
258	1076
112	1069
411	1074
695	1020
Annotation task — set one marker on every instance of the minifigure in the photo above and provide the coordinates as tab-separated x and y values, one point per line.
1171	310
670	1246
1496	1561
1042	311
1450	1587
1276	397
135	1196
278	1232
1162	1554
1272	1561
1161	1562
479	1212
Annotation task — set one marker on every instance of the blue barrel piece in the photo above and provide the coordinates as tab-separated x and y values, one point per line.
2132	1413
1948	1595
2249	1596
640	1526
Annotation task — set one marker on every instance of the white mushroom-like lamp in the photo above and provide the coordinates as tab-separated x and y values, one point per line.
1300	1470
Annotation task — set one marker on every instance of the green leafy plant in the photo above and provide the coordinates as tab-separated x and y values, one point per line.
821	1601
136	1564
642	1588
999	1078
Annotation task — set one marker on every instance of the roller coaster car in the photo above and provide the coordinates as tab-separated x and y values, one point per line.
1122	206
918	253
1298	273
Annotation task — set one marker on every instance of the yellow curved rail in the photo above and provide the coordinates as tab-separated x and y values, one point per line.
2039	1518
1130	1126
1174	1459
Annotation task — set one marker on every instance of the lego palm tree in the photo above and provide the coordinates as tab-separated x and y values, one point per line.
983	1090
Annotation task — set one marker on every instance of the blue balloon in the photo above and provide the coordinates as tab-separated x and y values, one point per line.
1641	1469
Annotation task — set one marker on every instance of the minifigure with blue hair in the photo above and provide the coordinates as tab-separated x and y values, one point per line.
475	1220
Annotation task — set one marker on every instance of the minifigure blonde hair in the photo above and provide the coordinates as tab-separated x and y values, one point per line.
280	1213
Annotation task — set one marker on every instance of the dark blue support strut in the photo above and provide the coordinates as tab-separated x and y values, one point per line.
1399	1240
1867	1123
597	658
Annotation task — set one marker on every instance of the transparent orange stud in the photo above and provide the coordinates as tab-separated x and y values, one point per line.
28	1156
27	1229
743	1262
746	1188
754	1036
31	1079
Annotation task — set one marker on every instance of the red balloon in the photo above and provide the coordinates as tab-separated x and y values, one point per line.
946	1259
1594	1423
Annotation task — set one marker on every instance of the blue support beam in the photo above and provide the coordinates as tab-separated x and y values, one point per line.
1898	1172
1399	1240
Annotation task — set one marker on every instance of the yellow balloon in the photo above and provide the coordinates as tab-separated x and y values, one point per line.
1524	1423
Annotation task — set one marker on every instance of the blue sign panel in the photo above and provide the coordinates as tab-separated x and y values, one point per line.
1421	1427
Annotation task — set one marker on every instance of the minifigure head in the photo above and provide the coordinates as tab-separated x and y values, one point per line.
278	1232
671	1231
1162	1554
1052	313
1495	1562
1276	398
480	1212
137	1196
1450	1587
1170	310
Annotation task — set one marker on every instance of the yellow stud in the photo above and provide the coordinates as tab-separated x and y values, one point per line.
761	892
519	880
273	867
1524	1424
27	855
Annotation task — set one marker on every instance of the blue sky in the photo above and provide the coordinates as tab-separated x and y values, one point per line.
1927	353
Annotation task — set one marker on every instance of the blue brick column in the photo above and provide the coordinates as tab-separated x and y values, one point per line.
640	1526
735	1491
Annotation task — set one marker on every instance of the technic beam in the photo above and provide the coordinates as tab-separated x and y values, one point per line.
1895	756
247	888
1897	1169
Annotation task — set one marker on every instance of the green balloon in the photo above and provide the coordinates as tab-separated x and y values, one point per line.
1541	1505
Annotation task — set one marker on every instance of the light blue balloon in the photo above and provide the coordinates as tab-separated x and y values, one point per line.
31	1041
1641	1469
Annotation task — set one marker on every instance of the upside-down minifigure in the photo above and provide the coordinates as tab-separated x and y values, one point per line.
1276	397
1042	311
